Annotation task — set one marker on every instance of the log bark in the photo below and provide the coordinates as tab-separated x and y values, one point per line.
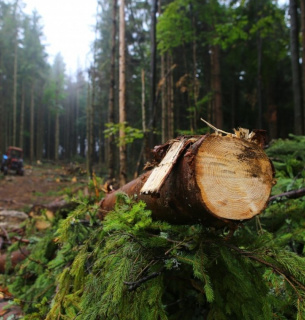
212	179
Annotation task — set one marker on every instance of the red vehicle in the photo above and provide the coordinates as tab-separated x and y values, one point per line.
13	160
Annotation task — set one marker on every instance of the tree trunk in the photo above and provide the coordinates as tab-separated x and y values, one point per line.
49	136
22	116
15	77
209	179
32	124
294	43
91	120
259	81
170	99
56	145
122	103
88	132
2	128
15	94
216	86
153	69
163	101
303	52
195	82
272	110
111	148
40	127
101	128
145	151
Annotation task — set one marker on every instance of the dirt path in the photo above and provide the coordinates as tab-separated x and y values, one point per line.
40	185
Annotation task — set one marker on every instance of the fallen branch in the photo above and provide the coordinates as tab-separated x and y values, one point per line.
287	276
294	194
134	285
16	257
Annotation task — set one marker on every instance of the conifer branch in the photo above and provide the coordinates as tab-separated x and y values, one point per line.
174	247
134	285
152	262
288	277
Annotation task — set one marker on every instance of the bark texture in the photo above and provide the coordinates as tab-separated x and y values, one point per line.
213	180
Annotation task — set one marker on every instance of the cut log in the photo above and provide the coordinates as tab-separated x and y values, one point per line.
213	179
45	214
11	219
15	257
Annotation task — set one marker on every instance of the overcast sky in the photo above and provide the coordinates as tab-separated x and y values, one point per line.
68	28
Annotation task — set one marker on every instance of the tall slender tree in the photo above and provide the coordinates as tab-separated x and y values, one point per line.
153	71
303	55
122	96
15	74
111	119
59	78
294	47
32	119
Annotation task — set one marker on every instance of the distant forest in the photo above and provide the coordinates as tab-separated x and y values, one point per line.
158	67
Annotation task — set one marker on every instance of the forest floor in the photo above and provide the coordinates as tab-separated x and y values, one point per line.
41	184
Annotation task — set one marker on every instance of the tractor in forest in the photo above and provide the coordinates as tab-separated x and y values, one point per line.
12	160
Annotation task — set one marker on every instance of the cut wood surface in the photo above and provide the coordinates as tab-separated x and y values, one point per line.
234	177
214	178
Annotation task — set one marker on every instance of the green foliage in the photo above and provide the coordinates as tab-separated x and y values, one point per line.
171	21
232	31
288	158
130	133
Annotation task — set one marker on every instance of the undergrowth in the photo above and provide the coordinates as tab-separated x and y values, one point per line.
131	267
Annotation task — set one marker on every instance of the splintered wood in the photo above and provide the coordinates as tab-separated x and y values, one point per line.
160	173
